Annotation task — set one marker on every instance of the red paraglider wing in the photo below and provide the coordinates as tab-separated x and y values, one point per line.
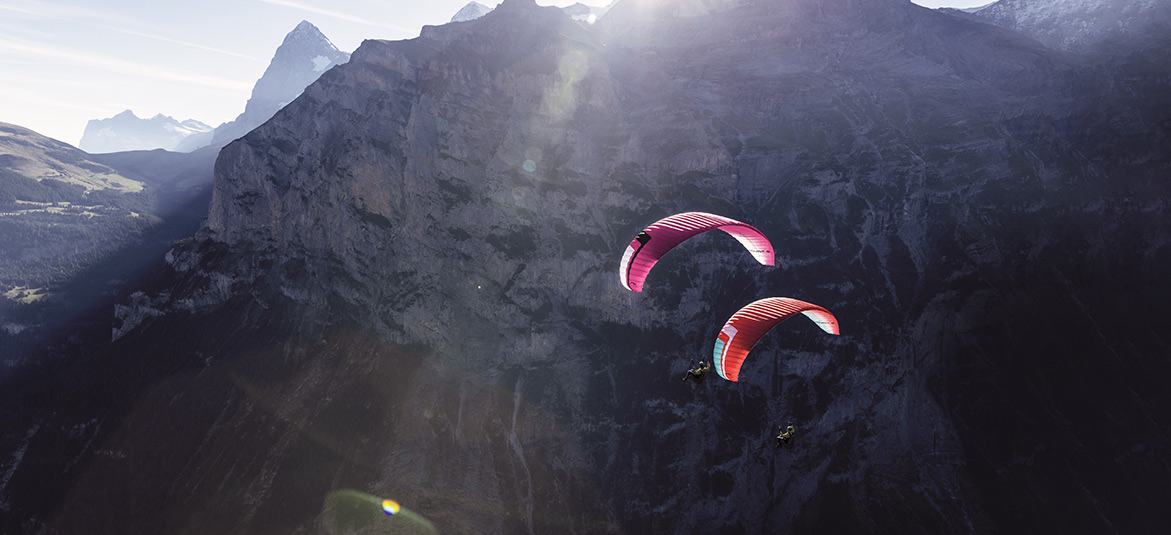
654	242
748	324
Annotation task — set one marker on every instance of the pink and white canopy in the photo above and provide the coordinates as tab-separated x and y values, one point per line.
748	324
654	242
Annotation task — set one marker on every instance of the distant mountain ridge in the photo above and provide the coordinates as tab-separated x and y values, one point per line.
304	54
1081	25
126	131
578	11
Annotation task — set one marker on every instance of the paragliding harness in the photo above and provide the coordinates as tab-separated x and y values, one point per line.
785	436
696	373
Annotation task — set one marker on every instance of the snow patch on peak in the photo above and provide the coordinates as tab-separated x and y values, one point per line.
186	128
586	13
320	63
196	126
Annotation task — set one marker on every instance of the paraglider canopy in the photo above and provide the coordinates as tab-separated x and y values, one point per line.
654	241
749	324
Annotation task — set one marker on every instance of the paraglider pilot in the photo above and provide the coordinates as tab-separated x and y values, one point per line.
784	435
696	373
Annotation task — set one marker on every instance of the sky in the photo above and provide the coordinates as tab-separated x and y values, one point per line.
65	62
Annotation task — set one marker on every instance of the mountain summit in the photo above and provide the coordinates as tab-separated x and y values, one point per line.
472	11
304	55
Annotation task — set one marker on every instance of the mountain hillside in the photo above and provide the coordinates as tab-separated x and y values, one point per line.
30	155
406	287
75	227
58	208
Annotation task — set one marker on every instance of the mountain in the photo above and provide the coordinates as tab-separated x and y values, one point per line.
578	11
75	227
47	185
972	9
472	11
406	288
586	13
126	131
34	157
1082	25
303	56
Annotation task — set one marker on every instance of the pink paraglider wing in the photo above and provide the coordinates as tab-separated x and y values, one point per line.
654	241
748	324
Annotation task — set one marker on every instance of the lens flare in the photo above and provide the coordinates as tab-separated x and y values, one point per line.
349	511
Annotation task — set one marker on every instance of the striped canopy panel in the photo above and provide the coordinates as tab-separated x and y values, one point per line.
654	241
748	324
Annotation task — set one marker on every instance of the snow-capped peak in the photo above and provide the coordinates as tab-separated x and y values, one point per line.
472	11
306	32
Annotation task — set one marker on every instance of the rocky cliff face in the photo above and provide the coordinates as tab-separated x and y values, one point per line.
406	285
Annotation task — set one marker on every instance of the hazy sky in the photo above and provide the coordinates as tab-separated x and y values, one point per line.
65	62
